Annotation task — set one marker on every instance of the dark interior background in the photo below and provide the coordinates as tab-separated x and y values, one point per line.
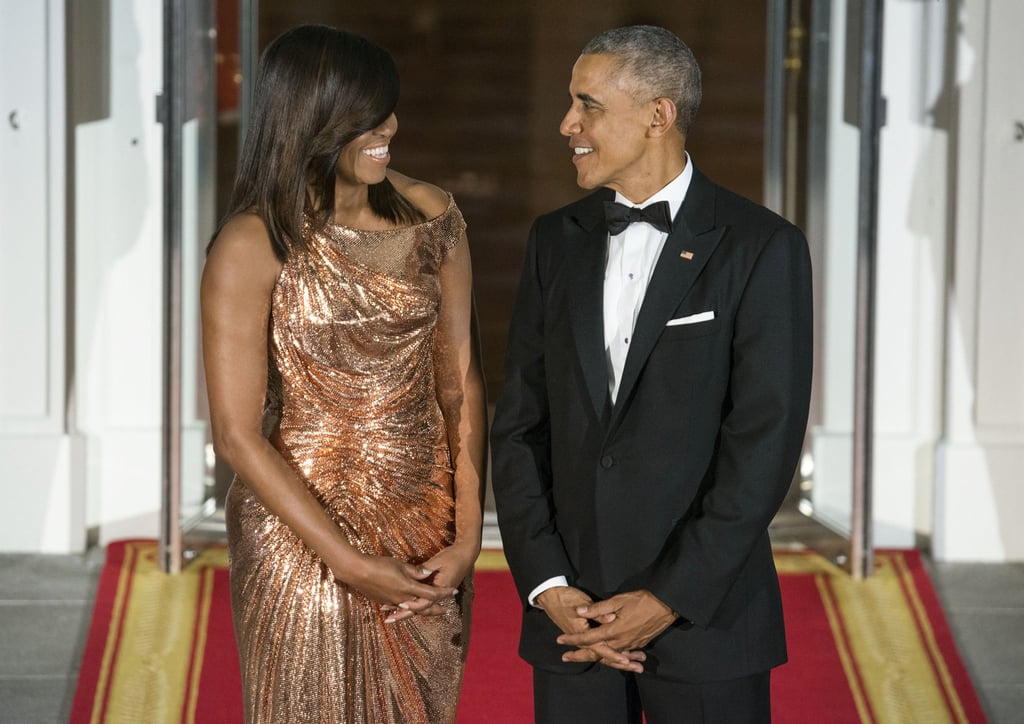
484	87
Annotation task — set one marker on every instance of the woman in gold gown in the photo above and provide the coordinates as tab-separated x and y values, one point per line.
345	391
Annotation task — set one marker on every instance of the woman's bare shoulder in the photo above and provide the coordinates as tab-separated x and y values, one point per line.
242	247
430	199
246	228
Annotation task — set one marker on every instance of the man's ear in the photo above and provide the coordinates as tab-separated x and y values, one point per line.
663	119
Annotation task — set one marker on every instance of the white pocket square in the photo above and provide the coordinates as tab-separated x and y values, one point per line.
691	319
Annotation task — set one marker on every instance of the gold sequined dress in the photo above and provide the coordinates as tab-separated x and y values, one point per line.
352	407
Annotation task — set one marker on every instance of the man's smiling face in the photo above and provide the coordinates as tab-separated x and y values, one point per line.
607	128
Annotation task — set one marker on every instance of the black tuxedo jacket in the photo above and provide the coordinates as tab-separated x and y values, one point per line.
672	488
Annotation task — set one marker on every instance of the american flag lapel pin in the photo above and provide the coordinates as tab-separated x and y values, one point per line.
688	255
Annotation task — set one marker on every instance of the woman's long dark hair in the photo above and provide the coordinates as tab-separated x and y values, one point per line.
317	89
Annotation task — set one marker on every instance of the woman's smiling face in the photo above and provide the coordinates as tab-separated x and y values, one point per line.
365	159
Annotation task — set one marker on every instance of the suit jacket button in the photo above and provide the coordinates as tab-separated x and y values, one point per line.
607	461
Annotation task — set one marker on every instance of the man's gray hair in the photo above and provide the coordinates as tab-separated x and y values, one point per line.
656	64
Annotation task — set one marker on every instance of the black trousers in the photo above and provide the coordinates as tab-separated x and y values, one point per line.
602	695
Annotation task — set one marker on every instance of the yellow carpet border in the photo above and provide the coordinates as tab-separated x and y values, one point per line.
893	655
149	679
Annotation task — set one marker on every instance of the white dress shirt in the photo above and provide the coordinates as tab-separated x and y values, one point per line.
631	259
632	256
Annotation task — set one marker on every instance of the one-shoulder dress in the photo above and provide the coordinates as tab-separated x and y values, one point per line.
352	406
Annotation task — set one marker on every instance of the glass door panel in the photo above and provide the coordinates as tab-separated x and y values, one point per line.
822	172
833	155
189	114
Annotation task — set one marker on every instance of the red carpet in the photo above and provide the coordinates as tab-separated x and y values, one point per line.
498	686
161	648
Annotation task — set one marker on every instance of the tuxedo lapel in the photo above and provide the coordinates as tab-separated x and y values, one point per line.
586	250
687	249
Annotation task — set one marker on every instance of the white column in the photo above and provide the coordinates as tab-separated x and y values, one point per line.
41	485
980	490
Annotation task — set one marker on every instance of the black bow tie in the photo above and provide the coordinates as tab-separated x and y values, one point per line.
619	216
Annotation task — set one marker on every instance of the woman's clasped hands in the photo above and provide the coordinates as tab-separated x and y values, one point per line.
404	589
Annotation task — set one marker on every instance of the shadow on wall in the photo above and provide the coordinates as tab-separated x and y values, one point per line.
114	251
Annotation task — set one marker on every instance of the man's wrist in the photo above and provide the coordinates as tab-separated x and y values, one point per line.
552	582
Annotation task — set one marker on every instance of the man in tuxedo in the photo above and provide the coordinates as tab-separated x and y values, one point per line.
655	399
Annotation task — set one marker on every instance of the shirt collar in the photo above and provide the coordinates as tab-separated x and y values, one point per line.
674	191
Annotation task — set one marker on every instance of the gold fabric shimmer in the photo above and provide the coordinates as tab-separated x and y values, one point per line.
351	405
